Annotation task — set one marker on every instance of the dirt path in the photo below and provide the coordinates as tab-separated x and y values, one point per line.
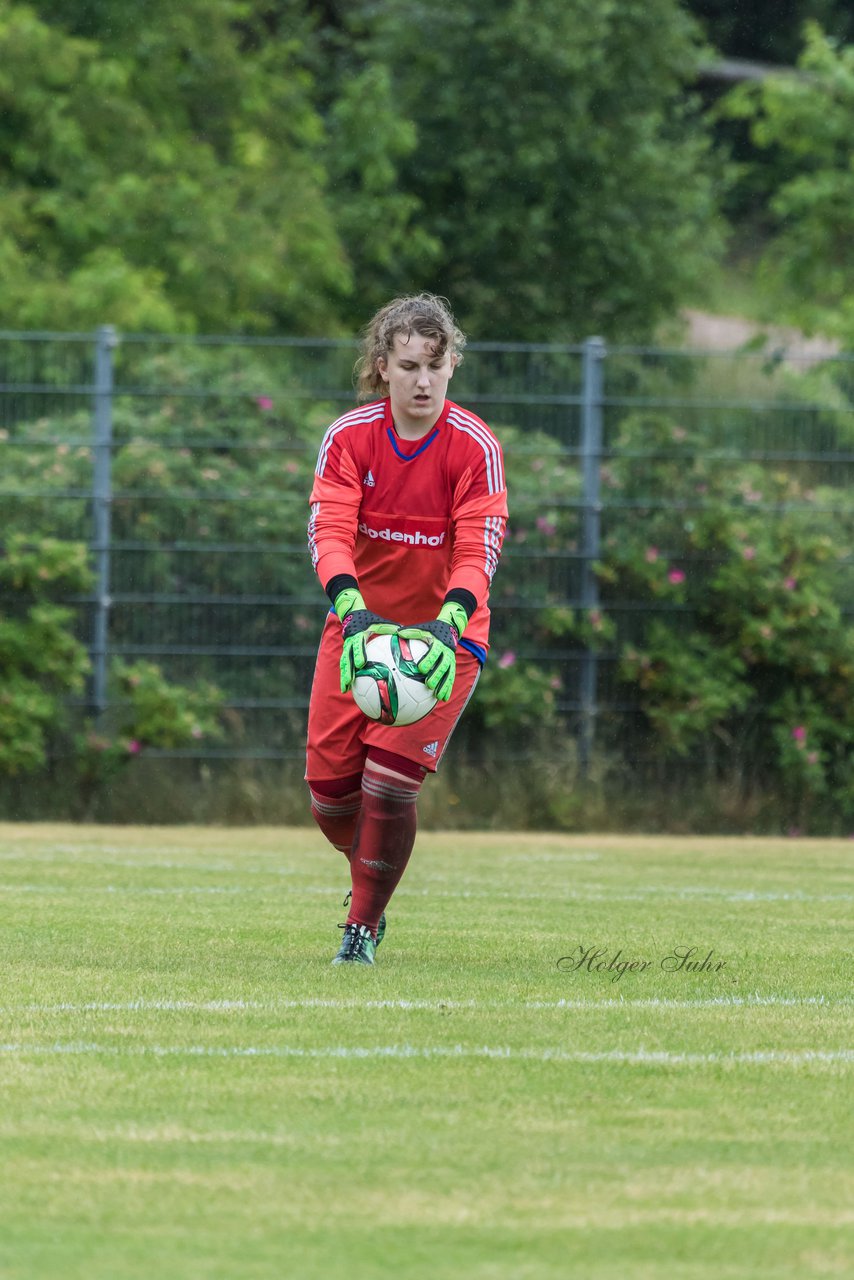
709	332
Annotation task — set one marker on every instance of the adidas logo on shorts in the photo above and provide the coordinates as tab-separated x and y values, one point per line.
431	748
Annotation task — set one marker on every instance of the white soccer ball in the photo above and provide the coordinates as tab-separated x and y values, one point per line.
390	688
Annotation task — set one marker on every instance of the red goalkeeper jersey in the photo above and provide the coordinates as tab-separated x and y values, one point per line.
410	519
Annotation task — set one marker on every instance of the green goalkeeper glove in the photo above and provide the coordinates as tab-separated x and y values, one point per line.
439	664
357	624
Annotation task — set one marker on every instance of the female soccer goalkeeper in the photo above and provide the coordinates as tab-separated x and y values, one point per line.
408	512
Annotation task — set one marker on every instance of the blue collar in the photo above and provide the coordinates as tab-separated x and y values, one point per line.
408	457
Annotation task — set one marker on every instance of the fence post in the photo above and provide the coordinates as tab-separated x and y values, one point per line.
591	458
102	440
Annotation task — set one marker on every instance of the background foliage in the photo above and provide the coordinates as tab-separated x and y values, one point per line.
43	662
283	165
161	171
557	160
757	675
239	166
724	626
806	123
769	30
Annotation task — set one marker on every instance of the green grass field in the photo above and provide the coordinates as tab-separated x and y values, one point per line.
190	1091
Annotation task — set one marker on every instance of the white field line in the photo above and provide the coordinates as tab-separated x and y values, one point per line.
601	893
167	1133
438	1006
147	857
659	894
135	891
134	855
150	865
630	1057
711	1002
123	857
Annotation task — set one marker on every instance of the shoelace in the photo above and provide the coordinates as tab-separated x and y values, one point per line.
380	931
358	938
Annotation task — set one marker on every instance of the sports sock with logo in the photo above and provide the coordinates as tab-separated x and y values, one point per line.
335	807
385	834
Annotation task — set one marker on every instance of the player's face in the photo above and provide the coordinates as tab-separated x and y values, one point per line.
417	380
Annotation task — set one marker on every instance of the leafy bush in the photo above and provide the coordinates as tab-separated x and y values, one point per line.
41	663
146	711
755	661
210	484
724	582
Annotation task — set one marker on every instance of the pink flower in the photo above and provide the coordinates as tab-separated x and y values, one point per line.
651	555
790	583
507	659
133	747
264	402
548	527
749	553
675	576
799	733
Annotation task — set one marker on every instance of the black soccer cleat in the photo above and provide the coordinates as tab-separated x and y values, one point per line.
358	945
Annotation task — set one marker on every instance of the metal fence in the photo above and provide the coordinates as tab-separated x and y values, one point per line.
185	465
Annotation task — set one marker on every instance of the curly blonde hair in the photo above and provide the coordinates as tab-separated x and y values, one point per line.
423	313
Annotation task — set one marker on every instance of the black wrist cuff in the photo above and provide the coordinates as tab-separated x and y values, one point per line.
336	585
459	595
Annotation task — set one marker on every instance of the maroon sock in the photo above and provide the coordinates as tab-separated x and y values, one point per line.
335	806
385	834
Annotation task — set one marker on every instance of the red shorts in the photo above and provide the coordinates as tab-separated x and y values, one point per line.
339	734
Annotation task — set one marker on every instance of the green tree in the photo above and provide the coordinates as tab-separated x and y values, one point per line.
161	171
808	120
558	162
381	225
769	30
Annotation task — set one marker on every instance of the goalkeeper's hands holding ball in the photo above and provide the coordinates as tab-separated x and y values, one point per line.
439	664
357	624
